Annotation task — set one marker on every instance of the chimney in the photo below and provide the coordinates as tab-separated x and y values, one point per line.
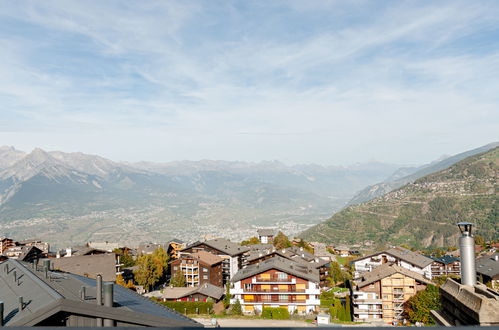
108	302
69	252
83	293
467	250
98	298
1	313
496	257
21	304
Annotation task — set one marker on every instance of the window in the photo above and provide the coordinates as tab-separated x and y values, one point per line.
175	267
205	277
283	297
205	270
282	276
248	287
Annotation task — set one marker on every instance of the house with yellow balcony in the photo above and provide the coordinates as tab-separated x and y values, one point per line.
277	282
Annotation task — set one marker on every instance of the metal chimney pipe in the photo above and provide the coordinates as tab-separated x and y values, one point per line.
15	276
98	298
108	301
46	263
21	304
1	313
83	293
467	250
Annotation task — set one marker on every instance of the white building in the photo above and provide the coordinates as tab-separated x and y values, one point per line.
395	256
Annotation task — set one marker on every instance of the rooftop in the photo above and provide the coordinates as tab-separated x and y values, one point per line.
223	245
58	292
488	265
387	270
278	263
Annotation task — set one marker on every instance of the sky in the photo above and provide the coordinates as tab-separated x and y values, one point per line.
327	82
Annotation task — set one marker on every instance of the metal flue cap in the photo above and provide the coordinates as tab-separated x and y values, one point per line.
465	228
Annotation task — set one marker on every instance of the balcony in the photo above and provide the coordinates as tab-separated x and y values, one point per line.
273	279
291	290
259	300
368	311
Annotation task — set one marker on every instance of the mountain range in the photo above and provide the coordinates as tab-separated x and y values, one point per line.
79	197
423	213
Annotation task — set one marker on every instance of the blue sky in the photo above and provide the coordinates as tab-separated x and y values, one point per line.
329	82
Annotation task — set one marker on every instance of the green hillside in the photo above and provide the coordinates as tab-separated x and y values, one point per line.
423	213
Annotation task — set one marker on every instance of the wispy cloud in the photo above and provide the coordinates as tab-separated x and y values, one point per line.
329	82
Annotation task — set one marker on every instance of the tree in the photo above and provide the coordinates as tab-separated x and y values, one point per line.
236	308
125	258
178	280
227	297
251	241
306	246
418	307
281	241
152	268
336	274
479	240
348	314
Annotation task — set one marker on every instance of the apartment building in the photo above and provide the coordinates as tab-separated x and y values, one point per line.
199	268
381	294
445	266
6	243
277	282
174	247
231	254
399	256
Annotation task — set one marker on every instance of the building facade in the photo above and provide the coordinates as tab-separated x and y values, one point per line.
445	266
199	268
381	294
277	282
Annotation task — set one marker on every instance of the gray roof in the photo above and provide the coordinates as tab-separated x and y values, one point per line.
88	265
488	265
223	245
206	289
60	292
293	253
265	232
403	254
386	270
278	263
445	259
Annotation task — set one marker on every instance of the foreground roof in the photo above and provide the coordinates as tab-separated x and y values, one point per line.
278	263
387	270
61	292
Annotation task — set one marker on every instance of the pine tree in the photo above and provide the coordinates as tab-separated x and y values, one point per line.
227	297
281	241
178	280
236	308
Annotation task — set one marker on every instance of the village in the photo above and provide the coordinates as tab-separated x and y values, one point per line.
268	276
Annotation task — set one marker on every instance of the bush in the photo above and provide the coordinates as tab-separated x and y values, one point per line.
189	306
236	308
275	313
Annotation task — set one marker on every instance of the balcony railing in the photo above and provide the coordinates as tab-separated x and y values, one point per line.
275	301
272	290
273	279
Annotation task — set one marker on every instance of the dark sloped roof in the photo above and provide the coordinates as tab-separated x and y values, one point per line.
387	270
278	263
223	245
488	265
61	292
446	259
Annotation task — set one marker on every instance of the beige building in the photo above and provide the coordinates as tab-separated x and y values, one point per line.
381	294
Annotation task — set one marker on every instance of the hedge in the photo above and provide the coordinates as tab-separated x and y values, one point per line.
275	313
189	307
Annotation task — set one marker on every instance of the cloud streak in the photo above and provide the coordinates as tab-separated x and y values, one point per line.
329	83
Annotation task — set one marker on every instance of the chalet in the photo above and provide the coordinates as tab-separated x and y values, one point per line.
23	253
445	266
266	236
487	268
6	243
398	256
198	293
199	268
44	247
231	253
277	282
381	294
35	296
173	248
296	254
